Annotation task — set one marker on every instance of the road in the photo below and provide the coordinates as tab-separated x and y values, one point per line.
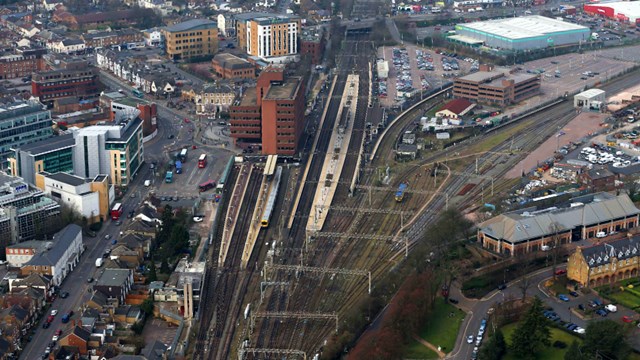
477	309
76	282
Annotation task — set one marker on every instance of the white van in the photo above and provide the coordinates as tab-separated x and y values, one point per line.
601	234
147	183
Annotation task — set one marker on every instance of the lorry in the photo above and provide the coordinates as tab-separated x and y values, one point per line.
178	167
99	262
168	178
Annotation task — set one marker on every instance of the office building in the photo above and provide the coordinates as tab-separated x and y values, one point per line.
21	123
272	37
115	150
605	263
528	230
90	198
81	82
25	213
271	116
496	86
195	38
520	33
229	66
53	155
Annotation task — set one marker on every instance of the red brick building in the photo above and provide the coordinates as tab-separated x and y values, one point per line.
312	44
228	66
270	117
76	336
21	63
81	82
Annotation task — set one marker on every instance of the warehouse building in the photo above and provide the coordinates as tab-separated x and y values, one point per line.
625	11
520	33
592	99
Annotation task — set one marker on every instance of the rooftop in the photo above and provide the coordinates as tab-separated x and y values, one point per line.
114	277
591	93
249	98
48	145
533	223
620	249
67	179
231	61
524	27
629	8
285	91
195	24
61	243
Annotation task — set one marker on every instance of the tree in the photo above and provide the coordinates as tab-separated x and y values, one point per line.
606	340
153	276
147	306
164	267
523	271
554	228
494	348
532	334
573	352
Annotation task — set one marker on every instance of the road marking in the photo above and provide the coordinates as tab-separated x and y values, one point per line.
466	331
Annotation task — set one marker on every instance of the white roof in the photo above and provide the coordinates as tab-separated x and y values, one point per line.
524	27
630	9
591	93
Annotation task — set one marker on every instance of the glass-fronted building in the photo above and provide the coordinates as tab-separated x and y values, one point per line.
21	123
52	155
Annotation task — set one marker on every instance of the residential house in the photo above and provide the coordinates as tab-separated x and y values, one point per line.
115	283
455	109
76	336
155	350
36	281
124	254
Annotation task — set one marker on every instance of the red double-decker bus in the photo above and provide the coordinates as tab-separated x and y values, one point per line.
116	211
202	161
207	185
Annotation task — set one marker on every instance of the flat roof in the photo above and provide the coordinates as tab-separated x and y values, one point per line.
249	97
465	39
523	27
48	145
628	8
113	277
591	93
67	178
194	24
286	91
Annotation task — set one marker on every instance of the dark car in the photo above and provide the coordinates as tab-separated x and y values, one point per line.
45	325
453	301
171	136
574	294
502	286
581	307
64	295
90	280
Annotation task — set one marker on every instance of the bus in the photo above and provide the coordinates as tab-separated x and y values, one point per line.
183	155
202	161
137	93
116	211
207	185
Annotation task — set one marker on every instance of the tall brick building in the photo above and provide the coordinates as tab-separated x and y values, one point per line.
21	62
77	81
271	115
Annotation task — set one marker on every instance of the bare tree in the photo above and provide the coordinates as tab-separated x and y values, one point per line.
523	271
556	240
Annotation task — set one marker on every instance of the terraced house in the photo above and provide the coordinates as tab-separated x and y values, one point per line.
605	263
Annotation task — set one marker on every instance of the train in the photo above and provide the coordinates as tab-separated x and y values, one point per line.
401	190
271	201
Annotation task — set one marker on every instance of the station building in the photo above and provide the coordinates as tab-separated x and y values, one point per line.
527	230
520	33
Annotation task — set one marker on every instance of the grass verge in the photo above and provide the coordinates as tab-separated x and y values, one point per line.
550	352
443	325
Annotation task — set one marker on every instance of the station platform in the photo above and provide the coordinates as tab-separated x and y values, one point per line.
233	210
335	157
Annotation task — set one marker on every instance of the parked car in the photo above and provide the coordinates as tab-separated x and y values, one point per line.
563	297
453	301
574	294
54	312
561	271
601	312
627	319
64	295
470	339
502	286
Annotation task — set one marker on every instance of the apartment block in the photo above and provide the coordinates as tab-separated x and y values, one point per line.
273	37
191	39
21	63
81	82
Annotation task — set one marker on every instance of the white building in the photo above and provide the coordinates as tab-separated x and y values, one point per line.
89	198
222	22
592	99
214	99
67	46
152	37
162	7
58	258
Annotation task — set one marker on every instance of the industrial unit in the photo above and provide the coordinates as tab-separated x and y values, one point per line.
592	99
520	33
626	11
